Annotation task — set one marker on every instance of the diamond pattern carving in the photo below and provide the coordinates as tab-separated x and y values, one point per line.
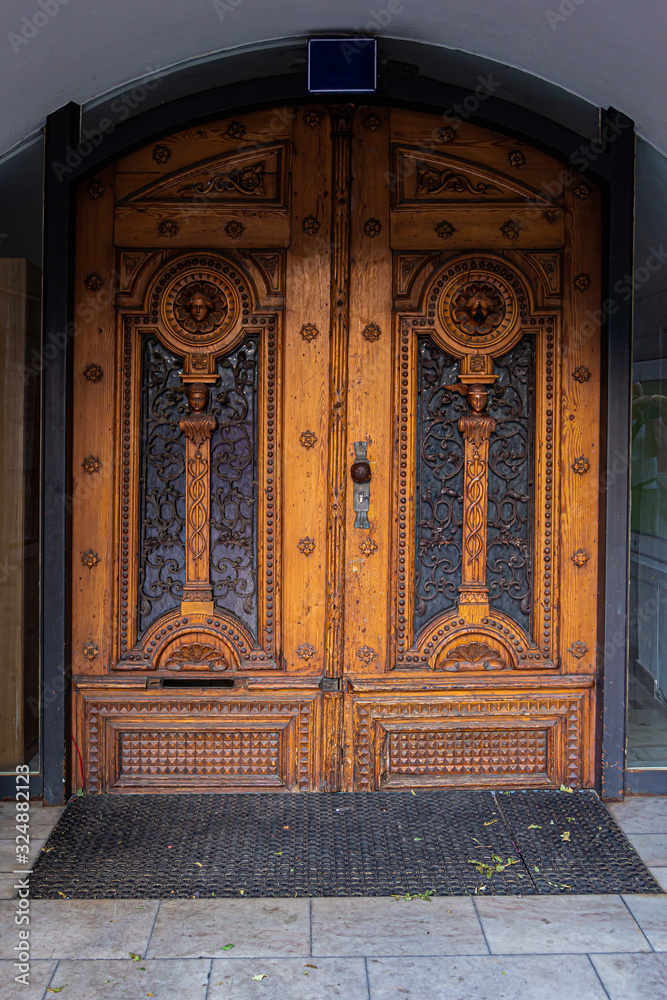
151	752
469	751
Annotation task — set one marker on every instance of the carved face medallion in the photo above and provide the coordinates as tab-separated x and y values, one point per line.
200	307
478	309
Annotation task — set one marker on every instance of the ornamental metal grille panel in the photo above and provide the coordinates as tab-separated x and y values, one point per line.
161	484
439	474
439	471
509	566
233	484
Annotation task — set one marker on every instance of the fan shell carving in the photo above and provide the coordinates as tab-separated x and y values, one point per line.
473	656
196	656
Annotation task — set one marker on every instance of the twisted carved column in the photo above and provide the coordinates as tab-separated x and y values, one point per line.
197	427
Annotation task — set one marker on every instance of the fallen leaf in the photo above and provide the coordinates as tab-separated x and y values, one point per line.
309	965
227	947
491	822
565	836
416	838
135	958
241	891
286	827
413	791
279	854
199	864
55	989
262	975
534	826
565	788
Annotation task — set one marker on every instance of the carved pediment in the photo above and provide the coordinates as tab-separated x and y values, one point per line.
425	178
254	177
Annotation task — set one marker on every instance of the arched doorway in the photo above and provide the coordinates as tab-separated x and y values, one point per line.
337	435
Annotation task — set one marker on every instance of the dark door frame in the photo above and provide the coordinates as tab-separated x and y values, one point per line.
609	163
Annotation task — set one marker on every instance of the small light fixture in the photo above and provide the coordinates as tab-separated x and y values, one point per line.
342	65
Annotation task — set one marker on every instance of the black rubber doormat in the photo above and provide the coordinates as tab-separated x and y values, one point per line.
364	844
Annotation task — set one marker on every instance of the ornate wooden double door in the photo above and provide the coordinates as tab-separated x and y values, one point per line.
335	459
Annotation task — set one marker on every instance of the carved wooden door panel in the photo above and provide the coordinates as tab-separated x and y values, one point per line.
262	303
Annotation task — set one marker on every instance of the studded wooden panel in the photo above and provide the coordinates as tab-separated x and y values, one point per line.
157	741
485	751
224	754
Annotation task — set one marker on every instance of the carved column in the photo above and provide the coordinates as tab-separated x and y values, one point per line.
197	428
476	377
341	122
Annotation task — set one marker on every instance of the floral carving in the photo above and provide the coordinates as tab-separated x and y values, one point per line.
582	191
313	118
94	281
431	181
444	230
473	656
309	331
366	654
582	282
516	158
95	190
305	651
236	130
372	122
199	362
368	547
90	650
306	545
307	438
510	229
234	229
581	465
578	649
161	154
247	180
372	227
200	307
310	225
447	133
90	558
478	308
197	654
91	464
580	557
168	228
581	374
93	373
371	332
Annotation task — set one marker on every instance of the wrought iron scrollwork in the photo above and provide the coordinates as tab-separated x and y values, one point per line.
233	485
439	483
511	485
162	484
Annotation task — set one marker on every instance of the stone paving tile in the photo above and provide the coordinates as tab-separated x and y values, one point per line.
651	847
289	979
256	927
534	977
38	979
79	928
41	820
7	883
660	875
633	977
559	924
167	979
644	814
8	854
383	926
650	912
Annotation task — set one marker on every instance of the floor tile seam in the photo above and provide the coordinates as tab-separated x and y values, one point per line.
368	978
644	935
150	935
481	925
310	924
52	977
209	976
597	975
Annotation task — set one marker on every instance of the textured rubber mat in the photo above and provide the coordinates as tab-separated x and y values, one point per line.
364	844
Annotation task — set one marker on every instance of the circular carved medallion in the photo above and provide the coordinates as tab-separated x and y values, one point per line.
200	306
478	311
